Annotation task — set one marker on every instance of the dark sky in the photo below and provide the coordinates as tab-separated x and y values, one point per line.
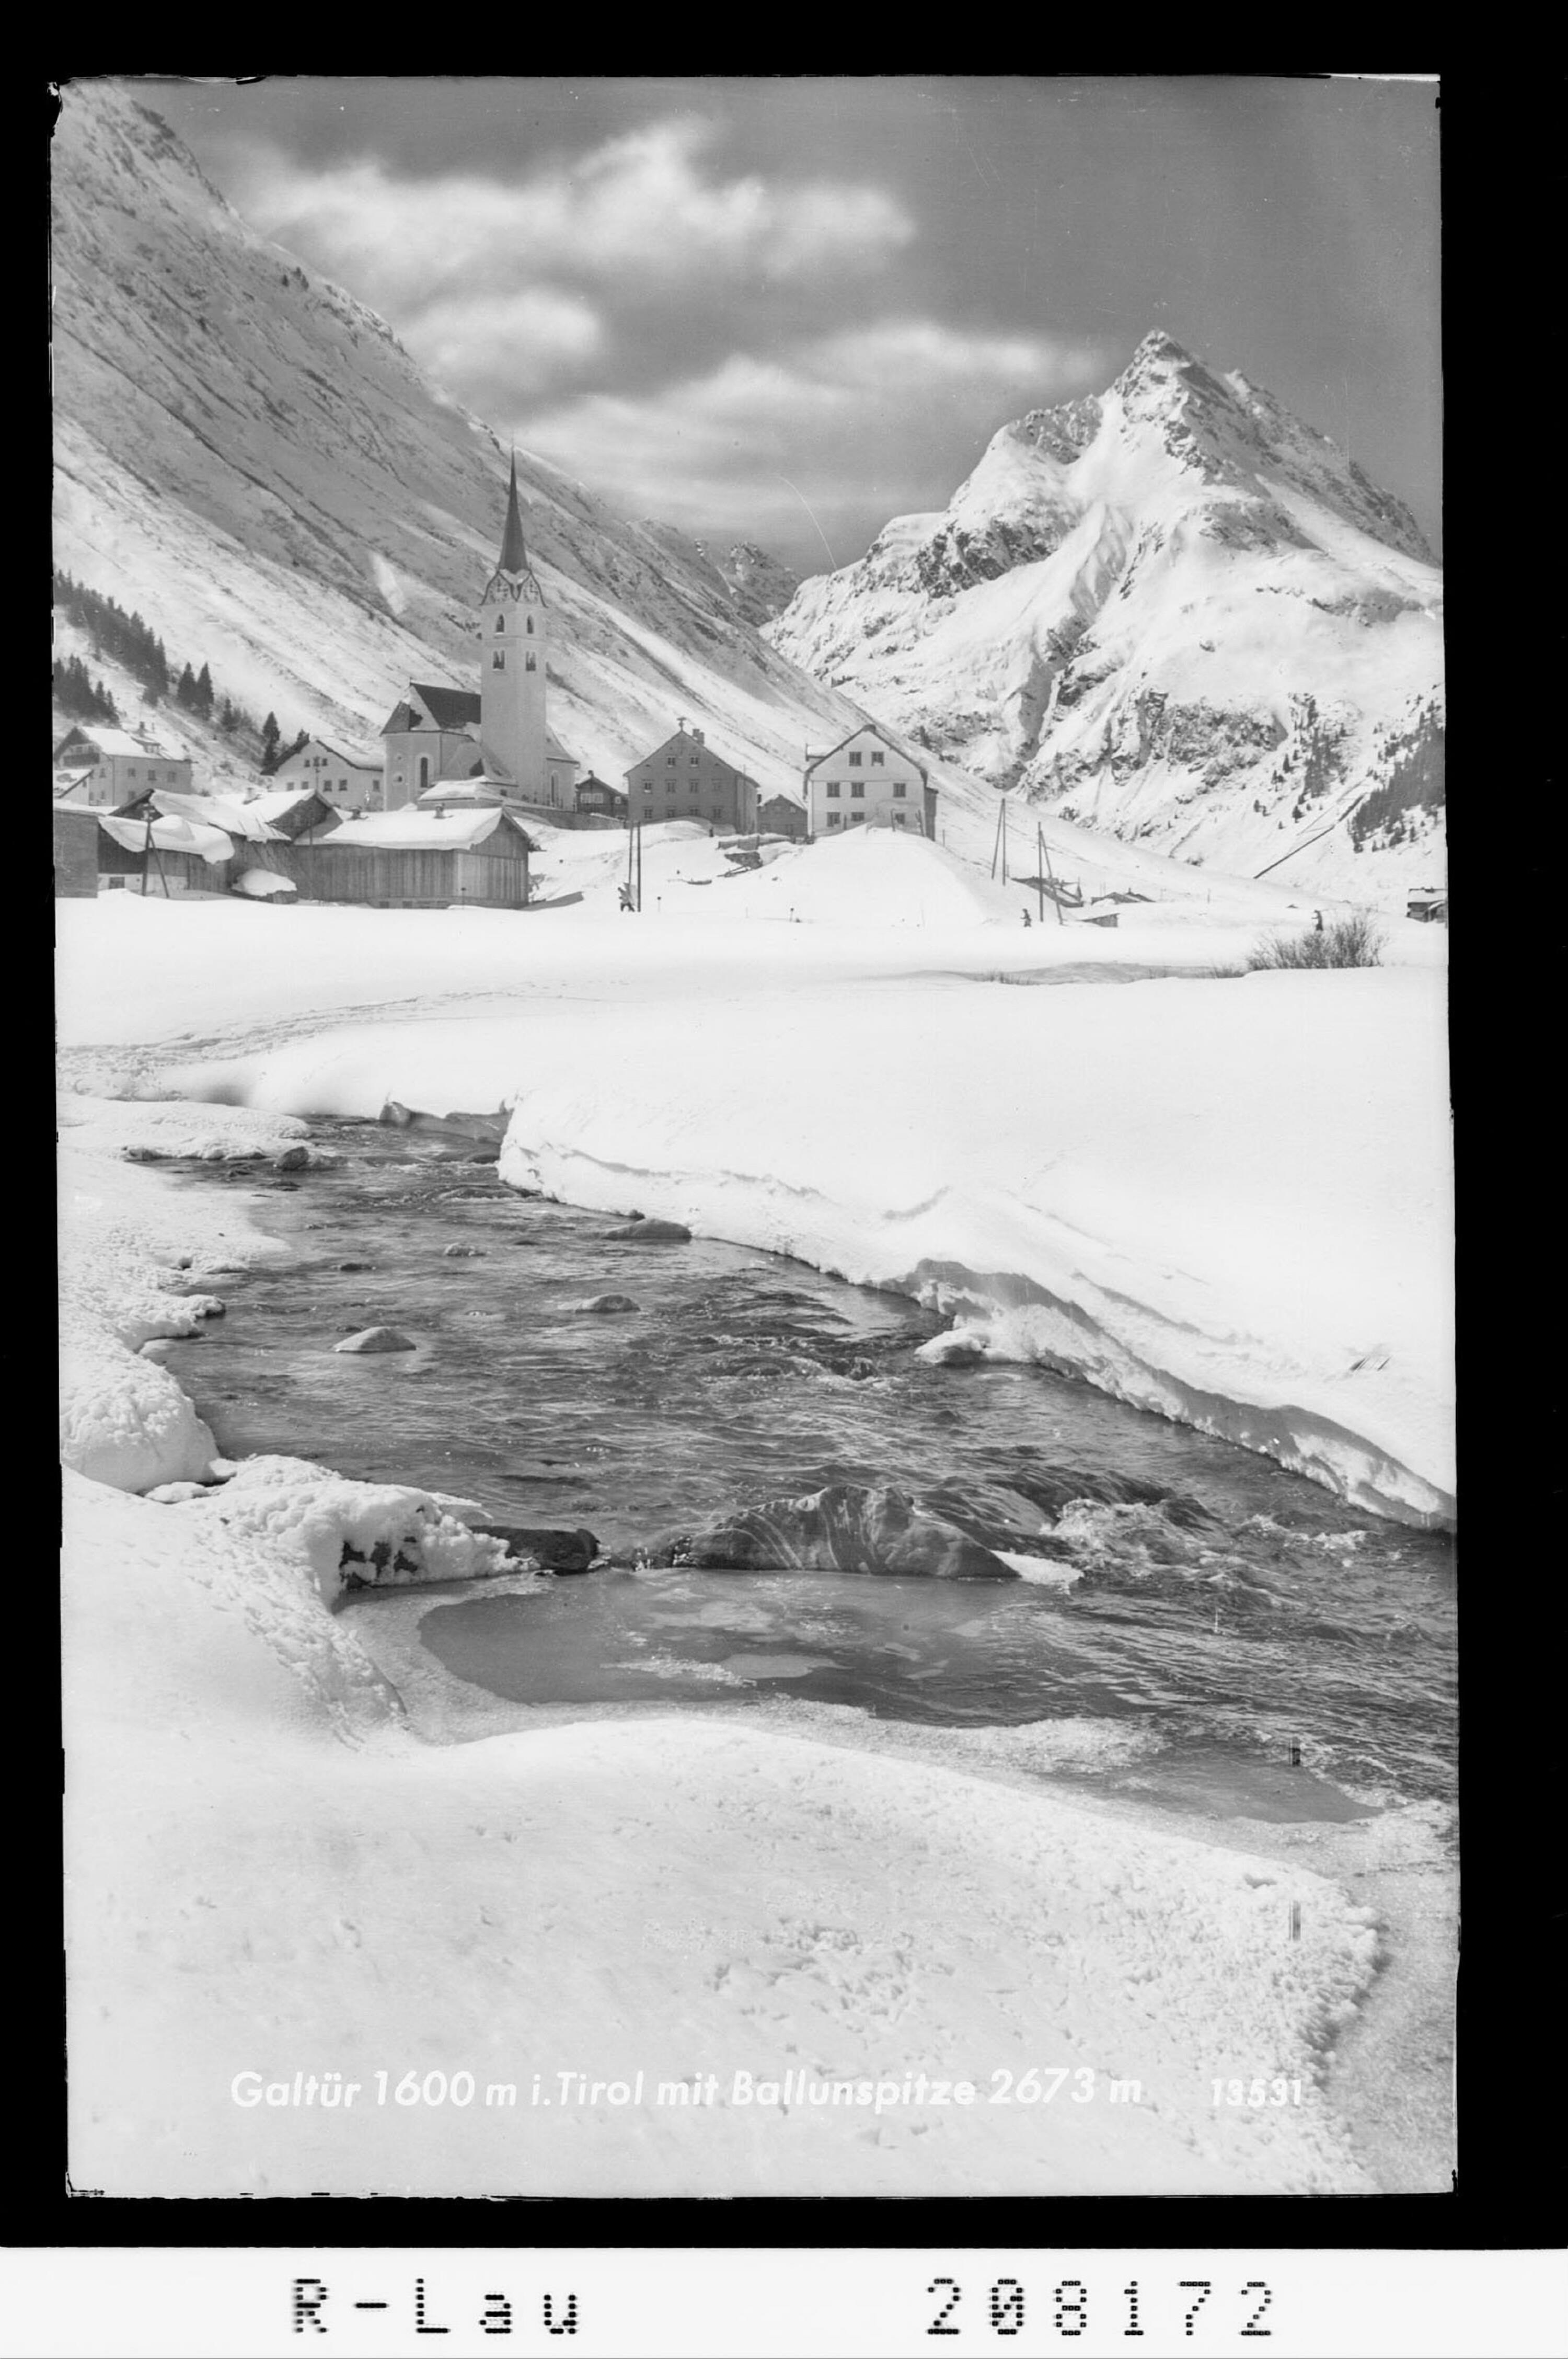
788	309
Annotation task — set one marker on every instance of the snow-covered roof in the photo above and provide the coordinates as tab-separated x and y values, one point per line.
120	741
339	753
264	884
171	834
272	806
866	729
243	820
482	793
412	829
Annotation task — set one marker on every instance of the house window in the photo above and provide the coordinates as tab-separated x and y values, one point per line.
857	789
669	761
855	760
877	761
834	792
498	661
900	789
898	818
692	759
835	819
132	771
857	819
424	772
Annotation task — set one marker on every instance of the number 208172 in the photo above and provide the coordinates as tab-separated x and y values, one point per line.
1068	2305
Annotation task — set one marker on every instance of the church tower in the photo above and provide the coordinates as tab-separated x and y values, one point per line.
514	637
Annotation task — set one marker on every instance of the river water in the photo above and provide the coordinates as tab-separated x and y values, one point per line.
1275	1651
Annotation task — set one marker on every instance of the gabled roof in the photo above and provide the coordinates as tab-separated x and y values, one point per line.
281	800
353	761
448	708
875	730
412	830
554	745
697	745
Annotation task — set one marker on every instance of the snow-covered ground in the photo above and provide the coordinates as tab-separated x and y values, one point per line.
269	1876
1224	1196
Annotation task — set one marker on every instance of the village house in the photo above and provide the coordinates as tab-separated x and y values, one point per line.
597	798
101	769
781	815
867	782
684	778
501	732
347	781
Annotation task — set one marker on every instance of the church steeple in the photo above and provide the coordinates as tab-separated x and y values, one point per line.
513	555
514	633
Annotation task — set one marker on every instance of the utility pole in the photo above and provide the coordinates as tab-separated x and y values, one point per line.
1050	871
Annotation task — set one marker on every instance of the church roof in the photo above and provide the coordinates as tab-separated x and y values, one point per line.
513	555
448	708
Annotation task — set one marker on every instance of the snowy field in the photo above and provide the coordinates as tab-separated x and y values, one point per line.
1225	1197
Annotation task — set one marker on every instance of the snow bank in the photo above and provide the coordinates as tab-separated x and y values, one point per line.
1226	1201
353	1536
127	1244
672	1897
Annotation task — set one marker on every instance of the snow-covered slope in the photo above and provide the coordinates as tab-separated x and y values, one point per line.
247	457
1173	612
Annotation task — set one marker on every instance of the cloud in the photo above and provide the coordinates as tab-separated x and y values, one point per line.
527	340
641	204
850	426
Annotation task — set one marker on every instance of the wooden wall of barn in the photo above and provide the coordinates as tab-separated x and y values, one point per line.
339	871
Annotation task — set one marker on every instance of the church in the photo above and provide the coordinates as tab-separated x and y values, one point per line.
452	745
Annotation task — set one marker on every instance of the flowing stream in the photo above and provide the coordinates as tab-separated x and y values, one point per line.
1261	1646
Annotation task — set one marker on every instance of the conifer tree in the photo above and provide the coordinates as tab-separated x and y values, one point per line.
203	702
269	744
185	692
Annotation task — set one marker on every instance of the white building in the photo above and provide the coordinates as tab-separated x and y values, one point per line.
347	781
102	768
867	782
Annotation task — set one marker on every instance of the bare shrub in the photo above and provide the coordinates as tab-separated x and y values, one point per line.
1355	941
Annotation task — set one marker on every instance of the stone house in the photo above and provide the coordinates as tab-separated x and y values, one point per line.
684	778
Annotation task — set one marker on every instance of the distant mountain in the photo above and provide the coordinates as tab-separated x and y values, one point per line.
246	457
760	584
1175	613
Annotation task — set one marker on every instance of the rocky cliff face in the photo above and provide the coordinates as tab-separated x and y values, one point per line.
246	456
1175	613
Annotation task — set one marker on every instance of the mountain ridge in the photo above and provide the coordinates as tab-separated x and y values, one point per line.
1172	611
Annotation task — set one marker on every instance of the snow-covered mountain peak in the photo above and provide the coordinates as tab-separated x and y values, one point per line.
1174	610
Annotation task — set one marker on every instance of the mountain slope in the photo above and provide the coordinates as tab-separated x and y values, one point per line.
1174	612
247	456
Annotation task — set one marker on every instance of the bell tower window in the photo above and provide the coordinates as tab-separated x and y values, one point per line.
532	665
501	622
530	620
498	661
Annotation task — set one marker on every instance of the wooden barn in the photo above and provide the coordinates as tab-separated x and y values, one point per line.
75	852
413	859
